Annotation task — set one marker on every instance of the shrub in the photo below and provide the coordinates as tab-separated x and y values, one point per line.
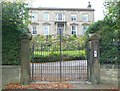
13	15
10	48
56	58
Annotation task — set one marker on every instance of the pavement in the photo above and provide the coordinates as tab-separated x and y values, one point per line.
70	68
88	85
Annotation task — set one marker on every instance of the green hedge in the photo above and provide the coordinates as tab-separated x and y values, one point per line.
10	47
12	30
56	57
109	30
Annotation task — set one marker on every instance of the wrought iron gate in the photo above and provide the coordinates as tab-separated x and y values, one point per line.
58	58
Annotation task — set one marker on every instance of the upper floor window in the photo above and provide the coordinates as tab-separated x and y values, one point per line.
85	17
46	16
46	30
73	17
74	29
34	30
34	16
60	17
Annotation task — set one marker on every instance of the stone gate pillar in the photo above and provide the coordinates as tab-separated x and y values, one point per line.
94	62
88	60
25	60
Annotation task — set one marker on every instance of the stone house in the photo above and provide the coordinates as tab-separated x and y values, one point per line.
49	21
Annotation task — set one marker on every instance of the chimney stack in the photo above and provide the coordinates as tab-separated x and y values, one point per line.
89	5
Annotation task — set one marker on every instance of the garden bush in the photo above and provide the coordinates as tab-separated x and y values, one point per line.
56	58
73	48
109	30
13	29
10	48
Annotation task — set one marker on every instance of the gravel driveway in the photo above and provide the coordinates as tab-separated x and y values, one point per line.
70	71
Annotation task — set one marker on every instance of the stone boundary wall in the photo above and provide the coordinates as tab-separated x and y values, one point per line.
10	74
0	77
109	74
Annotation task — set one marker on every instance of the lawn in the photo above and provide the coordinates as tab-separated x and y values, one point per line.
70	53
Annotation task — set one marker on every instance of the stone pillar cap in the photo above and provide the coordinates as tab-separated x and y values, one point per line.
95	36
27	36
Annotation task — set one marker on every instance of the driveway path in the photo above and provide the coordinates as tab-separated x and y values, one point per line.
70	70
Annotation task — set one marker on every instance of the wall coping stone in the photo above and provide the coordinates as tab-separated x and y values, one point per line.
109	66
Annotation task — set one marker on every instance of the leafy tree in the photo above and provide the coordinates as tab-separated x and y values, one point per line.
14	24
95	27
109	29
113	14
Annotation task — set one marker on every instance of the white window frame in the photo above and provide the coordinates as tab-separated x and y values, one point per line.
34	29
34	16
46	16
46	29
73	17
85	17
60	17
75	30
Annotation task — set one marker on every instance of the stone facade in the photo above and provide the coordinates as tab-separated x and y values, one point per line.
48	21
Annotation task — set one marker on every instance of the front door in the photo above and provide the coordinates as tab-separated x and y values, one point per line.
60	28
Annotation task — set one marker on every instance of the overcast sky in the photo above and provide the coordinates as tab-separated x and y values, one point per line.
96	4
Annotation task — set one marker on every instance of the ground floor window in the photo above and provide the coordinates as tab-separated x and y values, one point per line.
34	30
46	30
74	29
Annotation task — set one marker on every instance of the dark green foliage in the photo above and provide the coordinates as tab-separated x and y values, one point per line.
10	48
13	16
95	27
73	48
56	58
68	42
109	30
